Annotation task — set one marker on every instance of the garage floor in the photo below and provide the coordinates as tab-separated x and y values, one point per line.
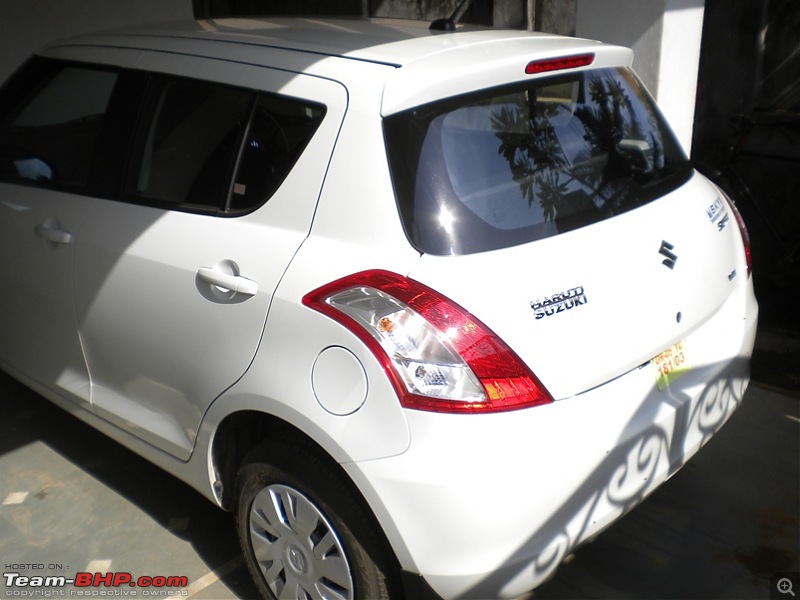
71	500
726	526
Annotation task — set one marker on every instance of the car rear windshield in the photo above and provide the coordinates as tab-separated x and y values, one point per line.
520	163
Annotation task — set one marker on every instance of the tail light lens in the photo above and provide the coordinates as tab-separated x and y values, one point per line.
437	356
742	229
558	64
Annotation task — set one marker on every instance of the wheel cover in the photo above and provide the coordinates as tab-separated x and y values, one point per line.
296	548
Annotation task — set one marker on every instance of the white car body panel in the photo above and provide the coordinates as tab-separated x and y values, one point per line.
39	336
617	265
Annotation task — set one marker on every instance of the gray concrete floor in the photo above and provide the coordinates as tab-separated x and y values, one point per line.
721	528
71	497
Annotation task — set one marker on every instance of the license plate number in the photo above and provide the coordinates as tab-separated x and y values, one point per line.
671	364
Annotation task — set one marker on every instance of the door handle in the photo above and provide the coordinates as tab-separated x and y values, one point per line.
232	283
53	233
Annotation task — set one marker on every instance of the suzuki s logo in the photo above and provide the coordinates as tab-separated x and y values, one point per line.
671	257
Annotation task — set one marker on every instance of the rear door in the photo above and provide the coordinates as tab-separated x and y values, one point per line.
173	285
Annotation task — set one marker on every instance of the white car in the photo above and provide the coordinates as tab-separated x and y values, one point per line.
426	310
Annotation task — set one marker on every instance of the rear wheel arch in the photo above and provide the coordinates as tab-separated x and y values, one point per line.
236	436
294	474
242	436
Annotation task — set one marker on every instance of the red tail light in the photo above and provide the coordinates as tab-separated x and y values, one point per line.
437	355
742	229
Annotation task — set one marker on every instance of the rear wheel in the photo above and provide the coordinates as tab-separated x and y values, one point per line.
304	532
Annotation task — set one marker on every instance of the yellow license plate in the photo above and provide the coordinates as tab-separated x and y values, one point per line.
671	364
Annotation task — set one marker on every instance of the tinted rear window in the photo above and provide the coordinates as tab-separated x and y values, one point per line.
521	163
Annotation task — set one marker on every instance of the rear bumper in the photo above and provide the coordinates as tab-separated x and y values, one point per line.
489	505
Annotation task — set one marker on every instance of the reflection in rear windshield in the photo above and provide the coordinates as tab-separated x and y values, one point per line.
518	164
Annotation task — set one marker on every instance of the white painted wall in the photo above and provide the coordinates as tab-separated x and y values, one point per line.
632	23
26	25
665	36
680	51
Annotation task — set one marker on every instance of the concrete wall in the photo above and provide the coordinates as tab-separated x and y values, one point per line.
427	10
665	36
642	30
29	24
553	16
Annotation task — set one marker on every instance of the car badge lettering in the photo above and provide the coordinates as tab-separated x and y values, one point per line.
671	257
561	302
717	213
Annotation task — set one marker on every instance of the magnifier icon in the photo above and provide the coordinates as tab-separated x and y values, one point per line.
785	586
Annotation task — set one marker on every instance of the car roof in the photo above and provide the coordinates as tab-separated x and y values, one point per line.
427	64
394	42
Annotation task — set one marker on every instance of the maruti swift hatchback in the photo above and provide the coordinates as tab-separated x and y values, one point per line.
425	310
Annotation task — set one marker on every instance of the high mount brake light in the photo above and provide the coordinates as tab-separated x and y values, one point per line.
437	356
557	64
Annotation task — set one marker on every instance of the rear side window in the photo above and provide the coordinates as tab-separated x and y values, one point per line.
216	148
150	138
191	141
518	164
280	129
50	135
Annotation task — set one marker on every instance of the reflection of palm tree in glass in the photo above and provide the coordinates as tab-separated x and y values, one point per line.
531	147
568	180
612	129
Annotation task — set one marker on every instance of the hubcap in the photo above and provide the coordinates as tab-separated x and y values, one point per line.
297	550
297	559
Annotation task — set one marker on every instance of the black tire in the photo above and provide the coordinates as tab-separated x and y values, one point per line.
291	505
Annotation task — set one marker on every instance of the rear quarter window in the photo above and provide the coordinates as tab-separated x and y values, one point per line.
517	164
209	147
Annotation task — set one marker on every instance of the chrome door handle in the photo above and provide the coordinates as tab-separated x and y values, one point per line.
53	234
233	283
